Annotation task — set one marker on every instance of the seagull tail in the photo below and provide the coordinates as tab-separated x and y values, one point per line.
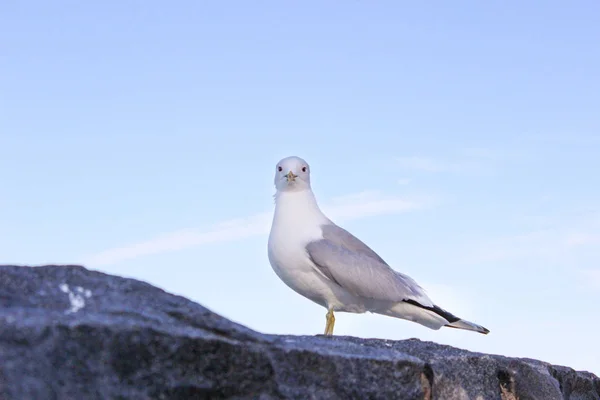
433	317
453	320
470	326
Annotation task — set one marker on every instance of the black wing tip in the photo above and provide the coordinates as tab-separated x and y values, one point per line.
451	318
473	327
448	316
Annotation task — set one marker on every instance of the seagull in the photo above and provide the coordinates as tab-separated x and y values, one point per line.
328	265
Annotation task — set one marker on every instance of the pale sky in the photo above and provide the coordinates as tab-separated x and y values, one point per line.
461	141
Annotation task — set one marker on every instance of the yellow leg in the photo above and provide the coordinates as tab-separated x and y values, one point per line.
330	322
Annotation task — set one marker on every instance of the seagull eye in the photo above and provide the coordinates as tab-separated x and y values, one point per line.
303	169
280	169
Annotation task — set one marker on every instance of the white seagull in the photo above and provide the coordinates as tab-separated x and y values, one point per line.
328	265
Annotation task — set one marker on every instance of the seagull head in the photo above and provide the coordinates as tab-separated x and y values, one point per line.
292	174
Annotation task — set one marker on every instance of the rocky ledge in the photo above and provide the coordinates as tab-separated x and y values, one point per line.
71	333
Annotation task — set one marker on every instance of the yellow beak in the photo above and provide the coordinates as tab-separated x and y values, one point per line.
291	177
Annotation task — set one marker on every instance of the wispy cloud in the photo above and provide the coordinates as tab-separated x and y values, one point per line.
484	153
591	278
537	244
559	242
355	206
468	160
424	164
370	204
230	230
583	239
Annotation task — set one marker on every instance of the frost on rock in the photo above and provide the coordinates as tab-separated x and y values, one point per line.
76	297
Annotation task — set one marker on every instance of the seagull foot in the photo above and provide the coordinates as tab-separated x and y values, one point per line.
330	322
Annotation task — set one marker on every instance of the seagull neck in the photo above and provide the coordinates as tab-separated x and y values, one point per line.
297	203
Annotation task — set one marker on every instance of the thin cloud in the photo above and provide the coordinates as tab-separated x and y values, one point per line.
484	153
591	278
424	164
583	239
565	241
360	205
472	160
539	244
369	204
226	231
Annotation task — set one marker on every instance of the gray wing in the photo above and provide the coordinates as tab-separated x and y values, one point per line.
347	261
342	237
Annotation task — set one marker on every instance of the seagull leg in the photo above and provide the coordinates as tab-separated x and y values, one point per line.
330	322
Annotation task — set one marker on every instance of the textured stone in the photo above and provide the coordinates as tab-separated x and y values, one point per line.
71	333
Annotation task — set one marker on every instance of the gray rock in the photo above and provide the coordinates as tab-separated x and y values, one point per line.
71	333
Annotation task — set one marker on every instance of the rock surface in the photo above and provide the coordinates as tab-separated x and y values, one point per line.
71	333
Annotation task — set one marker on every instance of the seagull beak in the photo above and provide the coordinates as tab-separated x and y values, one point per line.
290	176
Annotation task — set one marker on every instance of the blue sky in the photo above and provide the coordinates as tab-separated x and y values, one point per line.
460	141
